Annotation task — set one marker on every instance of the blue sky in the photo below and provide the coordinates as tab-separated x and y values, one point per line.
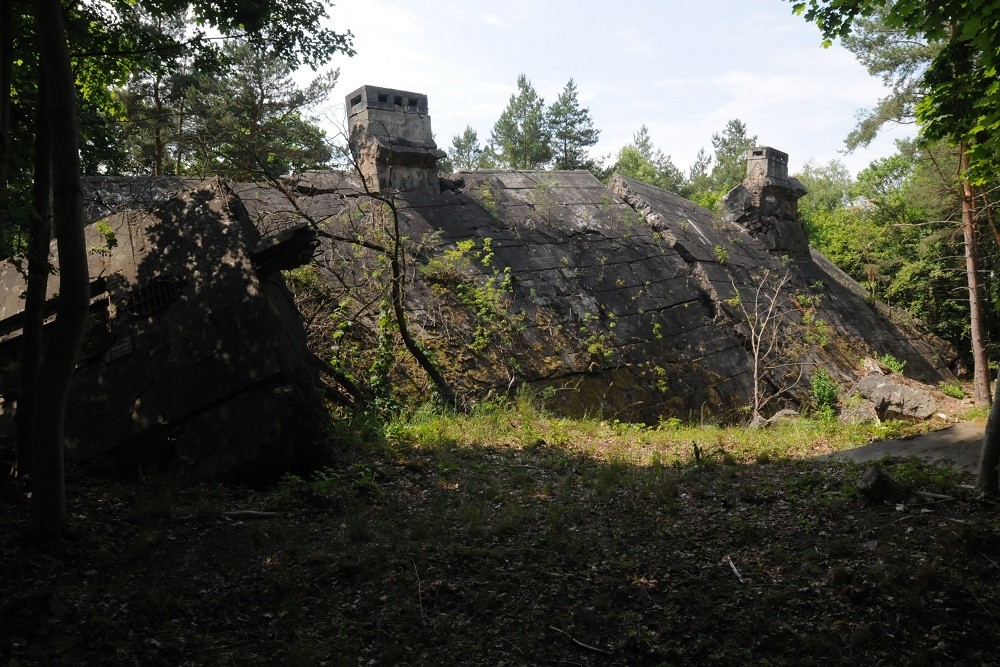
682	68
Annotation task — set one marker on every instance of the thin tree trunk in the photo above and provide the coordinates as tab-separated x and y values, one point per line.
157	129
399	310
980	369
59	360
989	457
6	81
38	278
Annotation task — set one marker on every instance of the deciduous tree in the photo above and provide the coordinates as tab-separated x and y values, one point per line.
295	34
644	162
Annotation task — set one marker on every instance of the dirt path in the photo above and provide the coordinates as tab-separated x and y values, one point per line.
957	445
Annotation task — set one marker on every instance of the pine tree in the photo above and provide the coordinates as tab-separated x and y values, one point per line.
466	153
731	146
252	119
698	175
521	138
572	129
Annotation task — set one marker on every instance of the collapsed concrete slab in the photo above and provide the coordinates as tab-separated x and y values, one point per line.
622	300
191	350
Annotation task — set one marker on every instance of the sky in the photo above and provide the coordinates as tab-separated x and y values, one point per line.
682	68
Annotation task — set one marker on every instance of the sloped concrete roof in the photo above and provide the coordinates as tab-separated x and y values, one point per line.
619	294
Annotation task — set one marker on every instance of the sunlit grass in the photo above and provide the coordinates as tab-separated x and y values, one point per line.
523	422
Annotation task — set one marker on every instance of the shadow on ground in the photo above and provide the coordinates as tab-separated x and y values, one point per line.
466	554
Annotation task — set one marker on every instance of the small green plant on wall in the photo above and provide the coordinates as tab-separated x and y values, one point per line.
892	363
489	300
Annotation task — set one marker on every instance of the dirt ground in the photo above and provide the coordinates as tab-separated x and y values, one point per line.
487	555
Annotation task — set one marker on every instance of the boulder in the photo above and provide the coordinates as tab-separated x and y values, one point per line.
859	411
893	400
780	415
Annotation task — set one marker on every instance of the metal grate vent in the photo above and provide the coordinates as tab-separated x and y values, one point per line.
153	297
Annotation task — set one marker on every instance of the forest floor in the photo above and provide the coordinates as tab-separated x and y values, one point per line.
421	551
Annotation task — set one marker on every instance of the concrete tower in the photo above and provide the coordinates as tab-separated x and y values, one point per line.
390	136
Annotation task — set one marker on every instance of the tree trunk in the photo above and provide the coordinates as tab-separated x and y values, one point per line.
59	359
38	277
399	310
980	369
157	129
989	457
6	81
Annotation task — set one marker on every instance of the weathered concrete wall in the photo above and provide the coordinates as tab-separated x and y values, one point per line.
623	301
390	133
621	298
188	349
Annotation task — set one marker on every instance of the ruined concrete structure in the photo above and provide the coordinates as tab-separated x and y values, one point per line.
619	297
621	300
193	351
766	203
390	133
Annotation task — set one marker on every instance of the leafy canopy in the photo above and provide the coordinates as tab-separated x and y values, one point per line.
961	99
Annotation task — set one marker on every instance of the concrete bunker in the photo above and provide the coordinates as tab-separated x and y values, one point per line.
618	293
193	349
617	298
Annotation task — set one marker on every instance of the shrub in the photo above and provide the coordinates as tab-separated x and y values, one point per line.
825	393
953	389
894	364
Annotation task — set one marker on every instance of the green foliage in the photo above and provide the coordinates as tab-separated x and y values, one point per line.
893	234
108	238
251	119
959	93
644	162
488	299
488	199
894	364
599	344
451	266
521	137
465	154
825	394
384	358
889	53
828	190
573	130
731	148
721	254
953	389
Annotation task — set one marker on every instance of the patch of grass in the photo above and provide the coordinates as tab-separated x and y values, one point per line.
953	389
920	475
522	421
